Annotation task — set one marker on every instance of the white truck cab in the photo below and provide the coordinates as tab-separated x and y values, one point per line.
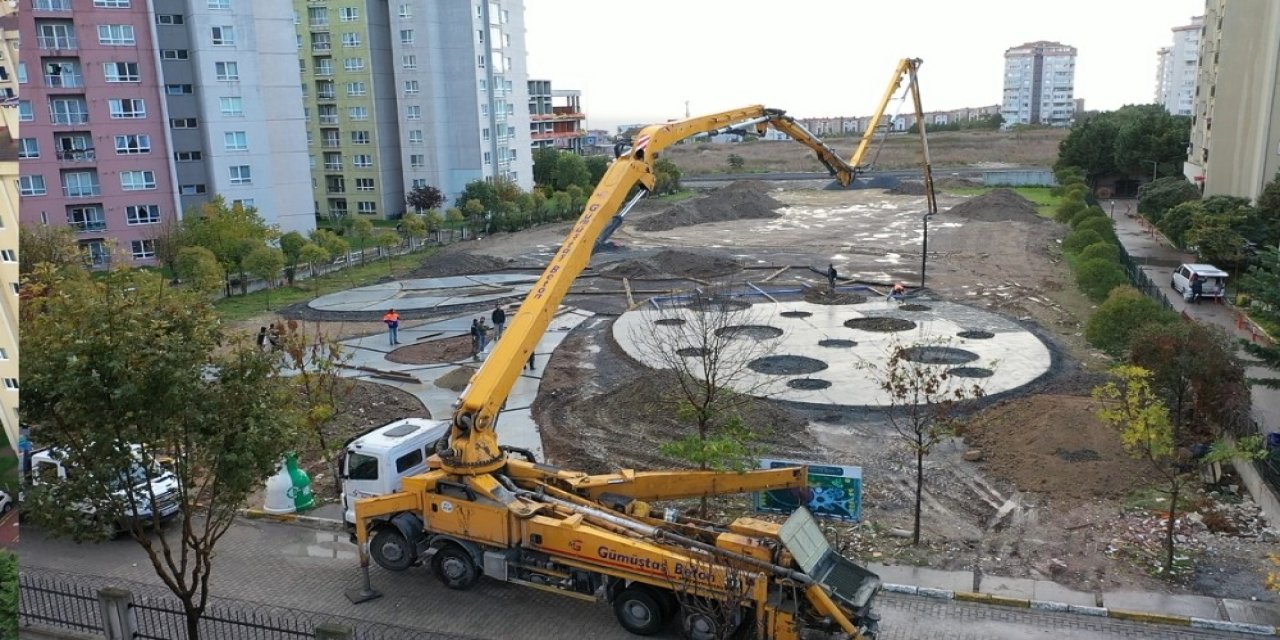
47	466
373	464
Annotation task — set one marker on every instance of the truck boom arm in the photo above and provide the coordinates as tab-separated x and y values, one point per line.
906	68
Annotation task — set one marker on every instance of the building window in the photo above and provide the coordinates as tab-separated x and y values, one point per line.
116	35
244	203
111	4
359	137
356	89
411	87
484	110
11	384
143	249
364	184
174	54
417	161
120	71
227	71
406	11
409	61
240	174
358	113
348	14
413	112
137	180
415	136
480	61
362	161
192	189
170	18
235	141
183	123
418	182
9	255
232	106
485	134
31	186
25	113
406	36
350	39
178	89
353	64
142	214
133	144
187	156
28	148
364	207
88	218
22	73
219	4
224	35
128	108
488	159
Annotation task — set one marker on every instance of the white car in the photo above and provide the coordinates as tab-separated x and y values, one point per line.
6	503
1214	279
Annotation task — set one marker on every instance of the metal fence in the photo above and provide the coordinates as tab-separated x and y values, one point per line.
74	602
1141	280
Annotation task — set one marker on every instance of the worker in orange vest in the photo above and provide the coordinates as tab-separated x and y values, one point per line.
392	319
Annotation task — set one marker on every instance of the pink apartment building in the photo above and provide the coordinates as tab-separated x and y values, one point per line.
95	151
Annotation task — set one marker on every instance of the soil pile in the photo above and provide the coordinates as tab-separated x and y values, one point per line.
740	200
908	188
434	351
957	183
1055	445
674	262
456	263
999	205
457	379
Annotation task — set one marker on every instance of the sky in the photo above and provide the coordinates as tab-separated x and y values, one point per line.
638	61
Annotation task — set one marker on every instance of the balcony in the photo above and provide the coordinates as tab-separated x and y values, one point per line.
77	155
82	191
69	118
64	81
57	43
321	47
327	96
88	226
333	119
319	25
51	5
332	144
333	166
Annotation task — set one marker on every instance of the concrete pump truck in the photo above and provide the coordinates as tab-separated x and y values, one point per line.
482	509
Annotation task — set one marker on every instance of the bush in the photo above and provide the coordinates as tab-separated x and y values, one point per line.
1097	277
1091	212
1101	251
1102	226
1125	312
1076	241
1068	208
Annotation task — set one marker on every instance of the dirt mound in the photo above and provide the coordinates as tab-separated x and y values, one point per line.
908	188
434	351
956	183
456	263
739	201
1055	445
998	205
673	262
457	379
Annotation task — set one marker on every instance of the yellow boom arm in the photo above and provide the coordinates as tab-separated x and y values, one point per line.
906	69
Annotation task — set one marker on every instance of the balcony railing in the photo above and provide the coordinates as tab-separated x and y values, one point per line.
77	155
321	46
332	143
326	95
51	5
330	166
88	226
64	81
56	43
329	119
69	118
92	191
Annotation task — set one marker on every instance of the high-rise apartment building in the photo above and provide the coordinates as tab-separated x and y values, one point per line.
128	111
9	225
1177	69
1039	84
556	117
1235	131
411	93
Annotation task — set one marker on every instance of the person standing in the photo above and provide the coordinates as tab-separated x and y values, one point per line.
484	332
262	339
475	339
530	362
831	276
499	318
1197	288
392	320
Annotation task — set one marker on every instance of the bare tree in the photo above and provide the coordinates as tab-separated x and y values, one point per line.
316	360
924	399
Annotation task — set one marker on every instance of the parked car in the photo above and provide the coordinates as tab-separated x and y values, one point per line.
147	477
1214	279
6	503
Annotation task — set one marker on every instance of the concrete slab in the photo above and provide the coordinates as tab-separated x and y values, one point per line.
924	577
1046	591
1008	587
1198	606
1264	613
428	293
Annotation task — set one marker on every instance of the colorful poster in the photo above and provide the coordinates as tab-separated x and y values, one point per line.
833	492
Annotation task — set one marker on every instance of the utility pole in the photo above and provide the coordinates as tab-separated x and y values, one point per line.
686	109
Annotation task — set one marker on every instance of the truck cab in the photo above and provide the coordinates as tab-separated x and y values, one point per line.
373	464
48	466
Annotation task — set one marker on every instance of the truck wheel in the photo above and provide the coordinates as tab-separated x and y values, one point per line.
390	550
455	568
701	625
639	611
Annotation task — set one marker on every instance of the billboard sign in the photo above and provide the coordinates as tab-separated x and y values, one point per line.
833	492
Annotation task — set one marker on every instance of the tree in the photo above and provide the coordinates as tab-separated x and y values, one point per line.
123	360
1097	278
197	267
667	177
1124	314
231	233
545	161
1154	198
1176	221
481	190
414	226
597	166
455	218
265	263
169	238
475	212
924	400
1263	283
388	241
291	244
736	163
8	594
1101	250
1089	146
1195	370
44	244
317	360
1216	240
361	231
314	254
424	198
571	170
1076	241
331	243
1122	142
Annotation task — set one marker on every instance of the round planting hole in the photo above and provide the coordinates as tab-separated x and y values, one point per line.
795	314
1078	455
939	355
970	372
873	323
786	365
756	331
669	322
717	305
692	352
975	334
837	344
808	384
913	307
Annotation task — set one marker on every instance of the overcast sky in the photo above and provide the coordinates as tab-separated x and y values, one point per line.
639	61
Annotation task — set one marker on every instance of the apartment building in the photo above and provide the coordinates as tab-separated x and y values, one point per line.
9	225
1177	69
1235	131
126	108
556	117
411	93
852	125
1039	84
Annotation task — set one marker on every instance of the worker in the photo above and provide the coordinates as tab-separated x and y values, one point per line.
392	320
899	292
475	339
831	276
262	339
499	318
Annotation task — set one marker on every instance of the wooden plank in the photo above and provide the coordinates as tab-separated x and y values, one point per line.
631	301
777	273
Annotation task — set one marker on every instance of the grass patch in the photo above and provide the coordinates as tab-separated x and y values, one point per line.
1045	201
672	198
247	306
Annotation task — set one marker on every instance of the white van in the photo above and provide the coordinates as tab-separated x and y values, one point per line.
1214	279
47	466
374	463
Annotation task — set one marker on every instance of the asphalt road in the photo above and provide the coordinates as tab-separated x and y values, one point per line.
308	569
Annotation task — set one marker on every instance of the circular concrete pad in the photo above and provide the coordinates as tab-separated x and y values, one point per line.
811	384
884	325
835	343
929	354
669	322
913	307
795	314
976	335
970	372
786	365
756	331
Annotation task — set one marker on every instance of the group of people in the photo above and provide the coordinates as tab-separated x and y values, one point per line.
274	337
479	331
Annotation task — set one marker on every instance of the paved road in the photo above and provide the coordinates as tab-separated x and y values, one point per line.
302	568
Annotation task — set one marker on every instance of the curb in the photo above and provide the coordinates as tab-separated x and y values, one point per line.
1097	612
291	518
